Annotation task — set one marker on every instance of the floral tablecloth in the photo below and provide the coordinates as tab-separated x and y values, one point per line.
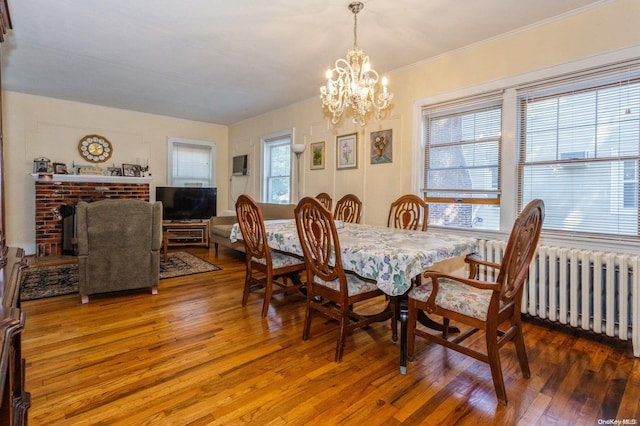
389	256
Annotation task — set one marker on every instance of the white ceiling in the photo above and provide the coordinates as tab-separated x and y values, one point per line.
223	61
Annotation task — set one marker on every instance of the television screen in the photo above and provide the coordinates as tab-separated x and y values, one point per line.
185	204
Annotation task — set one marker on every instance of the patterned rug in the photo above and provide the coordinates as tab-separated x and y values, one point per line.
49	281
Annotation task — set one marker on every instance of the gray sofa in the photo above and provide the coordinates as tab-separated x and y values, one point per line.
220	226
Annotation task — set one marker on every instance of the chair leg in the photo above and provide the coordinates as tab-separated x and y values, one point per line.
342	337
84	298
307	320
215	247
247	287
154	289
521	351
496	367
411	327
445	328
268	289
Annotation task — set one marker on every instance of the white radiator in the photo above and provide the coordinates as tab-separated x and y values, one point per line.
591	290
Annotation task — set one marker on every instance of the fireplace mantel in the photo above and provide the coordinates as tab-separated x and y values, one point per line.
38	177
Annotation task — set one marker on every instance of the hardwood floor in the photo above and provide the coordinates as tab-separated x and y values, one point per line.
193	355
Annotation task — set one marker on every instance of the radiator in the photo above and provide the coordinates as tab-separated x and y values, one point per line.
592	290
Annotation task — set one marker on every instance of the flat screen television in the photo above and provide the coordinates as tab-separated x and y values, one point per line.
186	203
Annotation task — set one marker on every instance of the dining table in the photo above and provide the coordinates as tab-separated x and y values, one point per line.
390	257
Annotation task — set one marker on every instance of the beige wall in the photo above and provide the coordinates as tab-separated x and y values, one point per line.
43	127
609	27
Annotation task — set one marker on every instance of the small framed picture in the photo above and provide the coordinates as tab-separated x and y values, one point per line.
381	146
114	171
347	155
41	165
131	170
317	155
60	168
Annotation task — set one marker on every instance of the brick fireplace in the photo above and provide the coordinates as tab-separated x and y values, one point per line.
54	191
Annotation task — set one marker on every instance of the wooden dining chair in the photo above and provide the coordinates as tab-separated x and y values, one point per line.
493	307
330	290
408	212
348	209
272	267
325	199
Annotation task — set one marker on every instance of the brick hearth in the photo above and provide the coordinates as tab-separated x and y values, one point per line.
52	192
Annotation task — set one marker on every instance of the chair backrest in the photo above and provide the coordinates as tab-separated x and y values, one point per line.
408	212
251	224
119	244
319	240
325	199
520	250
348	209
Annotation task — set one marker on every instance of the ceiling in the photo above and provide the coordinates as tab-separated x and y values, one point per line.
223	61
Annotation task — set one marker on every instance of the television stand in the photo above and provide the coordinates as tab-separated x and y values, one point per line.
183	233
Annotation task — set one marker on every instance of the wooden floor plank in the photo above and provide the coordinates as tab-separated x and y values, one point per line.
193	355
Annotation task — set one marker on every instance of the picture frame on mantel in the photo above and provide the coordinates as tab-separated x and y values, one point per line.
347	151
131	170
60	168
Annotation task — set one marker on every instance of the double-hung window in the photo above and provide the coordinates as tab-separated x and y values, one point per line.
277	168
579	144
462	142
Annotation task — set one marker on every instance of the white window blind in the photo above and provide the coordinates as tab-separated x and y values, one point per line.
462	142
580	149
192	164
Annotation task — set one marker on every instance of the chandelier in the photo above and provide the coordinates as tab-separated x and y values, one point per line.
353	84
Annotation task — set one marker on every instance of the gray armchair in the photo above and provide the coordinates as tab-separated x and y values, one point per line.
119	245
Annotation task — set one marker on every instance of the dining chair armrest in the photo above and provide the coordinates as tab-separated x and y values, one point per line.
474	260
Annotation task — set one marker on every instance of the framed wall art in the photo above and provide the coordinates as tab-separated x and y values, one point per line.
317	155
382	146
347	155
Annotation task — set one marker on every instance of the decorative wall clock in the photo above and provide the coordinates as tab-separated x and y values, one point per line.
95	148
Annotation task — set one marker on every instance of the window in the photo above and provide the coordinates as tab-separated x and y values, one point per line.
191	163
580	150
462	162
277	168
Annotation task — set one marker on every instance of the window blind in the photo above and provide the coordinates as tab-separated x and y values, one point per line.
191	165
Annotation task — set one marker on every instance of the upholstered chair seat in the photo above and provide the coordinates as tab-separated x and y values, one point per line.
456	297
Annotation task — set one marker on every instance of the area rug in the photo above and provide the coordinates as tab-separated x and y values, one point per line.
49	281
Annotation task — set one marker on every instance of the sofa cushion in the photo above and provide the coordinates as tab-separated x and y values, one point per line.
220	226
223	230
